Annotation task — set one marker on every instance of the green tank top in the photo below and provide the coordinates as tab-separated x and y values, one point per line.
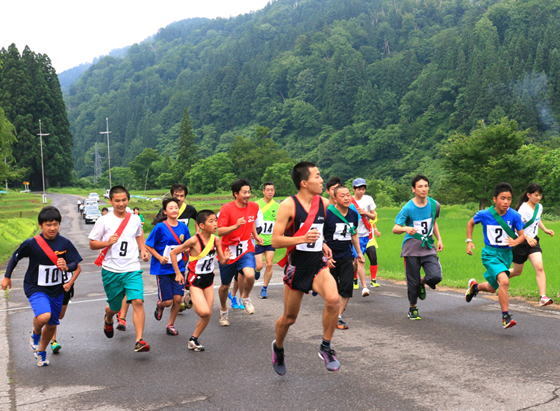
268	211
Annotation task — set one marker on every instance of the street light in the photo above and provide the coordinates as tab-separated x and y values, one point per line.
41	134
107	132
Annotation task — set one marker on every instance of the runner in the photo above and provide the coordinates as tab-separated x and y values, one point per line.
202	248
68	294
51	258
104	210
333	183
120	236
167	235
299	228
365	206
267	216
531	212
418	220
340	234
236	224
498	225
136	211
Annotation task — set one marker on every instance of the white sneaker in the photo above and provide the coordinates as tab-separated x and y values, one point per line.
249	307
192	345
365	292
223	321
41	357
545	301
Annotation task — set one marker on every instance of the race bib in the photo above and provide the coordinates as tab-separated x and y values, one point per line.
167	253
206	265
496	235
267	227
342	232
422	226
49	275
317	245
184	220
238	249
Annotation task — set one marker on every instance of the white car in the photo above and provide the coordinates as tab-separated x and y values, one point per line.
93	196
91	214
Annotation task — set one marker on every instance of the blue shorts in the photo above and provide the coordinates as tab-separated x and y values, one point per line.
363	246
42	303
168	287
228	271
259	249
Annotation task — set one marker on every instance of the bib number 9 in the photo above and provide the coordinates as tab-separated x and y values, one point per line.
123	249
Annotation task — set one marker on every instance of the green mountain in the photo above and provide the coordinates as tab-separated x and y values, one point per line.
363	87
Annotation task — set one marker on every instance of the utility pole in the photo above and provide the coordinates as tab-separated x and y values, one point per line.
41	135
107	132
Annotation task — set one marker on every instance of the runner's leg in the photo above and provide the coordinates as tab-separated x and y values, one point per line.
138	317
269	257
292	305
537	261
325	285
203	300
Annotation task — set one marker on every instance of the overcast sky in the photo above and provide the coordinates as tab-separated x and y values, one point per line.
76	31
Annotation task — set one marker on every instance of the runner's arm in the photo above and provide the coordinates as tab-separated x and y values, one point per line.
142	247
222	231
154	252
284	215
222	257
546	230
470	228
187	245
520	238
356	244
400	229
437	234
70	283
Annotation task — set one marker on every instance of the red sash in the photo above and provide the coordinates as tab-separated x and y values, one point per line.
46	249
175	237
365	219
99	260
304	228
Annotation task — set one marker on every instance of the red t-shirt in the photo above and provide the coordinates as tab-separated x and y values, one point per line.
238	241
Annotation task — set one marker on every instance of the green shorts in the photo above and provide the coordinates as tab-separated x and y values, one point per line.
117	285
496	261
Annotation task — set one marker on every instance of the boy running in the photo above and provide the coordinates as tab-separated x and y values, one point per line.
120	236
52	258
332	184
202	249
236	225
499	226
418	220
299	228
166	236
340	234
267	216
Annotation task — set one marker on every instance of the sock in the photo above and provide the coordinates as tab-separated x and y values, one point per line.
504	313
325	344
276	348
355	276
265	287
193	338
373	272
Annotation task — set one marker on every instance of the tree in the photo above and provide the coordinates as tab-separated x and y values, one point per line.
186	155
280	175
143	168
206	176
8	171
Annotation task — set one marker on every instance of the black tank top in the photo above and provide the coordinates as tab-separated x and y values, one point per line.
318	224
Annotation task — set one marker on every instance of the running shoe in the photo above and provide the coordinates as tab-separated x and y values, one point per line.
224	320
249	307
278	359
365	292
472	290
171	330
34	341
182	306
121	323
108	330
422	291
356	285
55	346
158	313
264	293
237	304
341	324
413	313
141	346
374	283
41	357
507	321
314	293
187	299
328	355
195	346
545	301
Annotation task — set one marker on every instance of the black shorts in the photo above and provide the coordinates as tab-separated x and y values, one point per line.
302	268
522	251
68	295
343	273
201	280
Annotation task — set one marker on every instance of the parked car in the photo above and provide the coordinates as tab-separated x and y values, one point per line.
91	214
93	196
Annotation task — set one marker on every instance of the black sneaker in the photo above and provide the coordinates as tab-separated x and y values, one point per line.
472	290
278	359
108	330
422	291
507	321
413	314
158	313
328	355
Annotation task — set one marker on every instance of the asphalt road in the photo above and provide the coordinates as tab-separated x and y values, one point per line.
457	357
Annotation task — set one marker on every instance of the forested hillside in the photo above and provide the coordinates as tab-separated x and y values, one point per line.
363	87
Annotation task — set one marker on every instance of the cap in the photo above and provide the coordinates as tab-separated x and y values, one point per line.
358	182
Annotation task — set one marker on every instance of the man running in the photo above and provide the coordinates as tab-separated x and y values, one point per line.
236	225
332	184
299	227
120	236
267	216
